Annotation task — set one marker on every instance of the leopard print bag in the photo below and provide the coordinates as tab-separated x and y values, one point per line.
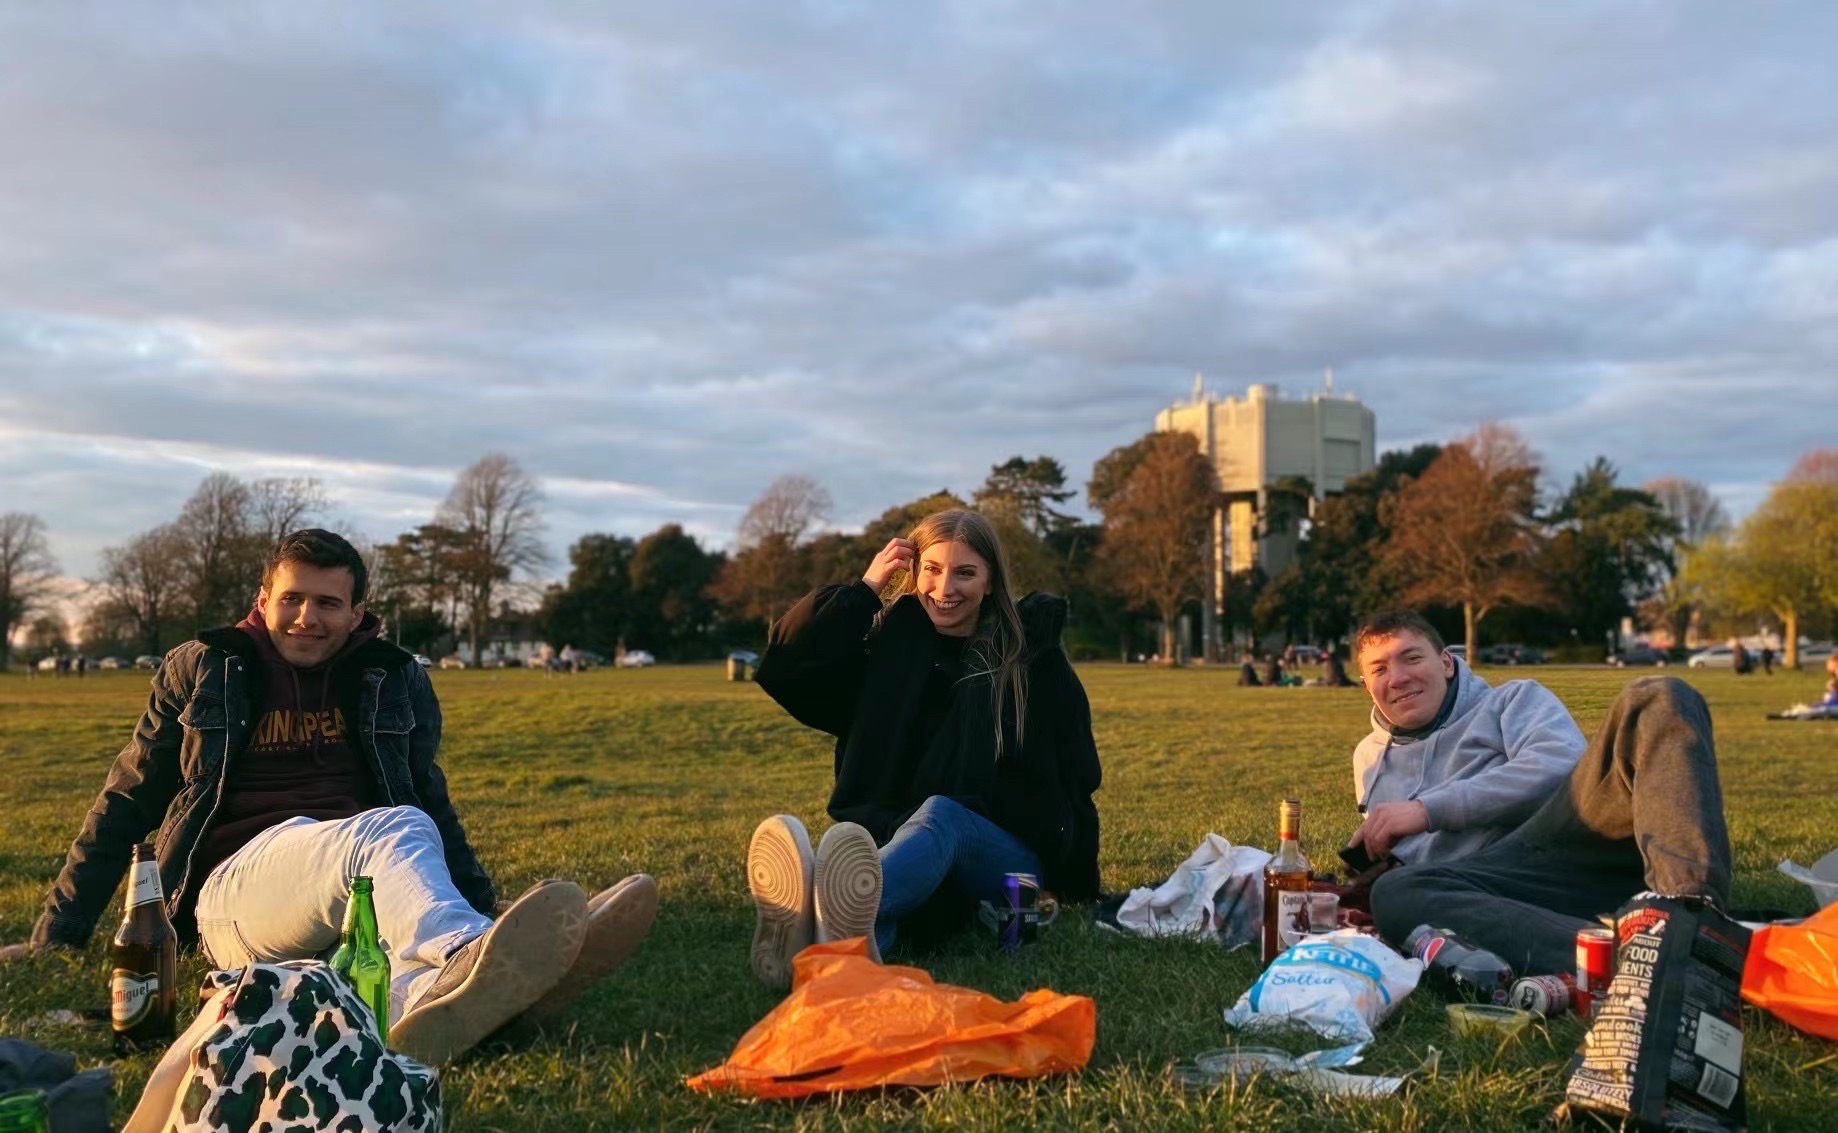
282	1047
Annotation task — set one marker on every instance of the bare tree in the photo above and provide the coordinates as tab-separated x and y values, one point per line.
1700	517
144	582
27	571
218	555
496	507
1463	533
1698	513
278	507
769	571
787	510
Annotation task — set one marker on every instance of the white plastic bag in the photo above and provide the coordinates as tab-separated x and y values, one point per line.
1217	892
1822	878
1341	985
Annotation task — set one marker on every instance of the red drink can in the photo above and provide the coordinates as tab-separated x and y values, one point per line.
1595	966
1547	995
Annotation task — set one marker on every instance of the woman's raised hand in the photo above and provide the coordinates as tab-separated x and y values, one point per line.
895	557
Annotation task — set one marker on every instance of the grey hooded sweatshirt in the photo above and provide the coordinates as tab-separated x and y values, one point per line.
1500	754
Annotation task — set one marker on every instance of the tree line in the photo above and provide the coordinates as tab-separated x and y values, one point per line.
1466	530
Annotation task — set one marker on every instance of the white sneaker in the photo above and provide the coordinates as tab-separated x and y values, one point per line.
848	883
779	870
495	977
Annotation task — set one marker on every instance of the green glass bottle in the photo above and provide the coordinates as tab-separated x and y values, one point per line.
360	957
25	1111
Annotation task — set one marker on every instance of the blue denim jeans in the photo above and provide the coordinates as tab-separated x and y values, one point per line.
945	841
282	896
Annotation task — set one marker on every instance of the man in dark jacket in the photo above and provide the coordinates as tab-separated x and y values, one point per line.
282	756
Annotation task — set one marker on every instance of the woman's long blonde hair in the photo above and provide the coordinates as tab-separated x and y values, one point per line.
995	648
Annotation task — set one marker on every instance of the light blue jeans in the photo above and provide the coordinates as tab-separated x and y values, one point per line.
282	896
945	840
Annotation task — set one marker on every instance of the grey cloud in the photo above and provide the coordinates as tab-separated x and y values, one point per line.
665	254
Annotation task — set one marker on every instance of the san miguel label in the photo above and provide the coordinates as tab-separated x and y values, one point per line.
132	996
146	885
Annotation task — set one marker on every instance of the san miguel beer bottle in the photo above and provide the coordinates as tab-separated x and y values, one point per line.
144	963
1286	885
360	957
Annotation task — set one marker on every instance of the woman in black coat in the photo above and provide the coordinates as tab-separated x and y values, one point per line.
963	747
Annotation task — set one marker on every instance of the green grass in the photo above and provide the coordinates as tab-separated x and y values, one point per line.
667	771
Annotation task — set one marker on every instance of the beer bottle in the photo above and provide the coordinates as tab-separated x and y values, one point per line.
1286	885
144	963
360	957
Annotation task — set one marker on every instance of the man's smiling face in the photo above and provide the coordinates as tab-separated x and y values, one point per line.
1407	677
309	612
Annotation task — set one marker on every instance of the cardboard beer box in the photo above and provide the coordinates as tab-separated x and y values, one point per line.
1665	1051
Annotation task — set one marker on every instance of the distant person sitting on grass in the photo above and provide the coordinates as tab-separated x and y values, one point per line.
277	758
963	749
1334	671
1515	833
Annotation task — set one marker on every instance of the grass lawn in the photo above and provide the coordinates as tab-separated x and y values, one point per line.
667	771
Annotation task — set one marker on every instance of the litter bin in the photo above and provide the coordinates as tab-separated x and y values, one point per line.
740	666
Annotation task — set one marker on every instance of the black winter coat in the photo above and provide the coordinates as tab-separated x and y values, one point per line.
833	667
198	720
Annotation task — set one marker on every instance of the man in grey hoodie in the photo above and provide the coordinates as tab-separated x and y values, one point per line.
1514	831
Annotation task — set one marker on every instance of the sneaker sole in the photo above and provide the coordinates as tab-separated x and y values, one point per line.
848	885
527	952
618	920
779	871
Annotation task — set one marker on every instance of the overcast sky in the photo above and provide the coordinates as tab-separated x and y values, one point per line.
663	253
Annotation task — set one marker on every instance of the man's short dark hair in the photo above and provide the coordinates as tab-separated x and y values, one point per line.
315	546
1390	623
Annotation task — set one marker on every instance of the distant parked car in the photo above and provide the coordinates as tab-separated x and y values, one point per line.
636	659
1309	655
1816	653
424	660
149	661
588	659
1459	649
1512	654
47	664
111	663
452	662
1716	657
1638	655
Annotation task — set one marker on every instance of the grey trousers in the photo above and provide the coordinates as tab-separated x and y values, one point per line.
1643	812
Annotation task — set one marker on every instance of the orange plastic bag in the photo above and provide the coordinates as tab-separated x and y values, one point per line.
852	1024
1792	971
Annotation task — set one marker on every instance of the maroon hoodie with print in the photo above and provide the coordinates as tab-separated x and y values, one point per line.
299	762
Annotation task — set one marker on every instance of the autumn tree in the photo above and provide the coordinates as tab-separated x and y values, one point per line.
496	507
27	571
1464	533
1156	495
1783	559
1341	569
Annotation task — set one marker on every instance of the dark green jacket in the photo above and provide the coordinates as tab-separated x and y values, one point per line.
171	775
